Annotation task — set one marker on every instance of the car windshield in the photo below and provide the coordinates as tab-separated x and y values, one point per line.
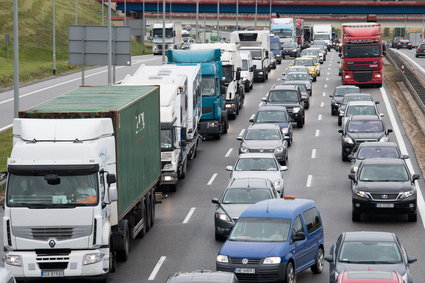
275	46
246	195
166	138
261	230
297	77
297	69
271	117
378	152
309	52
256	164
283	97
59	190
365	126
344	90
256	54
302	87
227	74
370	252
360	110
208	86
304	62
363	51
244	65
384	173
289	45
356	98
263	134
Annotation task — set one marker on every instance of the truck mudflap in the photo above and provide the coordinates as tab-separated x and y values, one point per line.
168	178
73	264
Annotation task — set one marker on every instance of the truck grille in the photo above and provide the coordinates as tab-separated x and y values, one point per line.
360	65
363	76
238	260
206	110
46	233
52	265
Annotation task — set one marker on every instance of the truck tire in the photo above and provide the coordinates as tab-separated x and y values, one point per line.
183	171
143	213
112	258
123	250
153	209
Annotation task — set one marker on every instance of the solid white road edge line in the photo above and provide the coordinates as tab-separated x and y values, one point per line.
189	214
408	58
156	268
420	199
228	152
317	133
6	127
308	185
212	179
313	153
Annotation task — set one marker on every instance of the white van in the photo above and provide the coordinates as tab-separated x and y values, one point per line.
247	73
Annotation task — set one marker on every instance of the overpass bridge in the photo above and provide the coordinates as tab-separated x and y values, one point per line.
299	7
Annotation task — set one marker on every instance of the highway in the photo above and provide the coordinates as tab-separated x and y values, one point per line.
420	62
182	238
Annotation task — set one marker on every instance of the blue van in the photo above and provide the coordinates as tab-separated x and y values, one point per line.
273	240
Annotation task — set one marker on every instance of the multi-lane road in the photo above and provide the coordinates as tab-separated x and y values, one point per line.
182	238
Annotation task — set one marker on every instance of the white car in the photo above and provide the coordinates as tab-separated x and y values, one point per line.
259	165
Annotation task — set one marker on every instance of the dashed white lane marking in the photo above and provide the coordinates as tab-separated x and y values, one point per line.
189	214
261	104
309	178
328	73
242	132
320	117
324	94
313	153
156	268
327	79
228	152
317	133
329	69
322	104
325	86
212	179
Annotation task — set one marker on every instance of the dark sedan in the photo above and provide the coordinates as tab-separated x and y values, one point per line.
338	96
359	129
404	43
291	49
385	186
368	251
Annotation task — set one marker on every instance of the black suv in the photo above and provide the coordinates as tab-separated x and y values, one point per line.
362	128
383	185
290	97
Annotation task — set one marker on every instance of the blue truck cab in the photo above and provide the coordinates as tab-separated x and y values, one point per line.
274	240
214	120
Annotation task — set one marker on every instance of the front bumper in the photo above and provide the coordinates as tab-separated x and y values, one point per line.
230	107
71	264
209	127
361	205
263	272
364	77
168	178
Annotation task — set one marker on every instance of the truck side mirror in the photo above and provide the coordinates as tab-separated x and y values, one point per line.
238	74
254	67
222	89
183	134
3	175
111	179
267	53
113	193
251	69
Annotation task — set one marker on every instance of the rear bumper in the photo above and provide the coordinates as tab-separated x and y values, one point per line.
259	75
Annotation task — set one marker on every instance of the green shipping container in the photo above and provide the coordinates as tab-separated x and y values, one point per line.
134	111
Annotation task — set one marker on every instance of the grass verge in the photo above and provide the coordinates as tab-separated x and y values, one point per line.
5	148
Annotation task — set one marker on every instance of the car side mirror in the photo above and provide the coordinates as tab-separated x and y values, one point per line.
389	130
111	178
291	64
113	193
415	177
331	95
381	115
264	98
317	64
341	131
411	259
299	236
329	258
214	200
239	138
254	67
350	156
229	168
283	168
405	156
3	175
377	102
340	55
267	53
251	120
351	176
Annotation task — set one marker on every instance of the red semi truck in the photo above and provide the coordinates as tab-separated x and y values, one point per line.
361	54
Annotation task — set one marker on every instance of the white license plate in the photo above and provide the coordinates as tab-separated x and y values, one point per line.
245	270
385	205
53	273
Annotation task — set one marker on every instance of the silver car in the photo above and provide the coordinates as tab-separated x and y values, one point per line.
265	138
259	165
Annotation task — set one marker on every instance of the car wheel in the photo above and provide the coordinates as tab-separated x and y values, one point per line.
355	217
250	87
218	237
307	105
339	121
319	265
314	79
300	123
344	157
290	276
412	217
290	141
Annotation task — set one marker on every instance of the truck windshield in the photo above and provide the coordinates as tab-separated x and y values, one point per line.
362	51
166	139
67	190
281	33
157	32
256	54
227	74
208	86
244	65
322	36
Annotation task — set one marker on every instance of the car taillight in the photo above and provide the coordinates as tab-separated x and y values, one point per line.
409	44
420	49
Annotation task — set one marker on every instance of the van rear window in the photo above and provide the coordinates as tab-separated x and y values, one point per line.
312	220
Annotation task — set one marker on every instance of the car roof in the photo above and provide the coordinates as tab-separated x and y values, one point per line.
301	73
202	276
255	183
383	161
278	208
303	58
369	235
271	108
263	126
378	144
289	87
365	117
297	82
297	67
256	155
358	94
361	103
347	86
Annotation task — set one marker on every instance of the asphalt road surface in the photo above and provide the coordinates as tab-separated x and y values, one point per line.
183	236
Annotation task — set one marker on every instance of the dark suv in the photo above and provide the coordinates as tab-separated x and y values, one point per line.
290	97
384	185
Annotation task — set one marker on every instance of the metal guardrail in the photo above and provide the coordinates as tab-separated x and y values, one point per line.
412	81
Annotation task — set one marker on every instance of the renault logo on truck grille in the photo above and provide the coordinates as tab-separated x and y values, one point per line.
245	261
52	243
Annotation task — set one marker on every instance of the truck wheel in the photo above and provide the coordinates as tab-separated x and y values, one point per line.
112	258
153	209
183	171
123	251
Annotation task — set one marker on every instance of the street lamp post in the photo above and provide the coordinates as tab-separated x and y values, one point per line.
163	32
143	27
103	12
237	14
54	36
270	14
197	18
125	12
218	19
109	43
15	60
76	12
256	10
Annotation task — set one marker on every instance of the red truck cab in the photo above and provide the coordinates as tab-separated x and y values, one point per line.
361	54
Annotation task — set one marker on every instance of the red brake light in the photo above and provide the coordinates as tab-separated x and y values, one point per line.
420	49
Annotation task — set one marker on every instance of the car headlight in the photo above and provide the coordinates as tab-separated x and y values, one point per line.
276	183
285	131
361	194
222	216
15	260
92	258
244	149
222	258
212	124
278	149
296	109
404	277
383	139
295	50
272	260
348	140
407	194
